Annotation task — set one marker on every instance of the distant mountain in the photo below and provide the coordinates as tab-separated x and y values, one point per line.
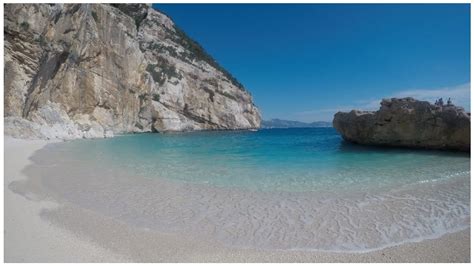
279	123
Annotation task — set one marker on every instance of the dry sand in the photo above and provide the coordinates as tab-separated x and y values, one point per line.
28	238
41	231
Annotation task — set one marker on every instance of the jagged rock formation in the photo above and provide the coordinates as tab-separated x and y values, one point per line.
92	70
407	123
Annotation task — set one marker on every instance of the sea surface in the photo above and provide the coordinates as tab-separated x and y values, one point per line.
274	188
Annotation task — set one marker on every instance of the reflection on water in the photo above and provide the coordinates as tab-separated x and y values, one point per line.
346	146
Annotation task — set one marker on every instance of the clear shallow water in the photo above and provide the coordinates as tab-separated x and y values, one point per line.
276	159
276	189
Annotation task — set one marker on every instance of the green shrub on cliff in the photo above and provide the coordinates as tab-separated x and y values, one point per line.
24	25
162	71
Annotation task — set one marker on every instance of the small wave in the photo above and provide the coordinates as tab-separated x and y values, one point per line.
348	221
446	177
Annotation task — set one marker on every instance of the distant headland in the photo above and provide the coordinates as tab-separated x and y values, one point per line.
280	123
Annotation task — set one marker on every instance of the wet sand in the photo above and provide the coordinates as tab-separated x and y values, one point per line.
38	230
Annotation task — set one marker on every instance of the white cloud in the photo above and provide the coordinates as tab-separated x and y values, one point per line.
460	95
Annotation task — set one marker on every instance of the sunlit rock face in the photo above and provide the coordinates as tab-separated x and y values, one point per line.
94	70
407	122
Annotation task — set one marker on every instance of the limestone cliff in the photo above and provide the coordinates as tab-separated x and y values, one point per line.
92	70
407	122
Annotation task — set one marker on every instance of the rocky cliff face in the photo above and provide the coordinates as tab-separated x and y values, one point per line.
92	70
407	123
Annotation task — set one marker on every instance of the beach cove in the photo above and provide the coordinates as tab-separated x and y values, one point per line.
160	132
150	219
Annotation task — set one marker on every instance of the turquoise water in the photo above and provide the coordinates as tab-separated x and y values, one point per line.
273	189
275	159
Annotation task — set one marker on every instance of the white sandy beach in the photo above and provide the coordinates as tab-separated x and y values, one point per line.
78	235
28	238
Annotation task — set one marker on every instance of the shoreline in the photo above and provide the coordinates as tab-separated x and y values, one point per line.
62	233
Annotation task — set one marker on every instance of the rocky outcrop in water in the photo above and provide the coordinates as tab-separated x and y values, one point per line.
94	70
407	122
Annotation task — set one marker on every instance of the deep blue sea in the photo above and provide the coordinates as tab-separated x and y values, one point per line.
275	189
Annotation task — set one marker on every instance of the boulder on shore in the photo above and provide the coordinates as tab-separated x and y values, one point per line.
406	122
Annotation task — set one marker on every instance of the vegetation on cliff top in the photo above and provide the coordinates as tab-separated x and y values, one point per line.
138	13
198	52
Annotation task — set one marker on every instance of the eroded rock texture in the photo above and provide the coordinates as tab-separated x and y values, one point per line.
92	70
407	122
